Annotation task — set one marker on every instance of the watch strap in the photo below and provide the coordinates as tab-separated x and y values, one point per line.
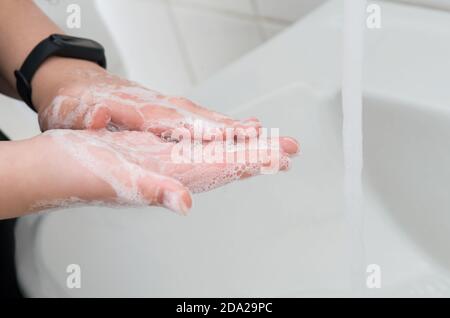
54	45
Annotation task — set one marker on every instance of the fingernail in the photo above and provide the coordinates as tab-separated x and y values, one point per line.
251	120
291	145
175	202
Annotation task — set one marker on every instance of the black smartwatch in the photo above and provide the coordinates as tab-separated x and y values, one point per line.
56	45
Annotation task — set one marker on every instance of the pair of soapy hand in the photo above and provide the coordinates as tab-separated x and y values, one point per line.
125	136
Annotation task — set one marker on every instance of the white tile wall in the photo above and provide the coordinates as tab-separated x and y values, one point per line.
183	42
271	29
286	10
237	6
186	41
438	4
146	39
213	39
172	45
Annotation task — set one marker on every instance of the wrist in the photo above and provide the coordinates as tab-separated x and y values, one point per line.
18	181
37	174
59	178
55	74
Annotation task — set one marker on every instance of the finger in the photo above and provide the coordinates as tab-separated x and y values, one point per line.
144	117
164	191
234	164
159	119
124	116
164	121
58	114
208	131
133	113
248	123
211	118
269	156
249	171
95	117
290	145
191	108
68	112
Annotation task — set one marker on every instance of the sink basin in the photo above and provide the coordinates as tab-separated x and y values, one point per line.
280	235
406	157
286	235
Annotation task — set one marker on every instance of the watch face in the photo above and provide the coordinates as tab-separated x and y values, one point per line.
79	42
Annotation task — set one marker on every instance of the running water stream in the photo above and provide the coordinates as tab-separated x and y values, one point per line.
354	27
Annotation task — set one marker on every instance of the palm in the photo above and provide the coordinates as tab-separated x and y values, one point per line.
101	100
141	169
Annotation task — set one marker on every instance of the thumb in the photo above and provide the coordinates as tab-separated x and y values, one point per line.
66	112
165	191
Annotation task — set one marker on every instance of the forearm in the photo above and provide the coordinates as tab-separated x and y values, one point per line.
18	181
22	26
7	89
35	175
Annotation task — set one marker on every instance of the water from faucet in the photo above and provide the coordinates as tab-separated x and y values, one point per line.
352	61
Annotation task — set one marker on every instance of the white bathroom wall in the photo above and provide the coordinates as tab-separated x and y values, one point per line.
187	41
173	45
286	10
436	4
168	45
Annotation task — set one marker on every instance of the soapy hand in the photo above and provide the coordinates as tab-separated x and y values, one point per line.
139	168
91	98
120	140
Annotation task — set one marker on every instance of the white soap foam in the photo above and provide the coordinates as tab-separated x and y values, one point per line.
95	89
131	162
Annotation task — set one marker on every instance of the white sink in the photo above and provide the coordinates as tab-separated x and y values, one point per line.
285	235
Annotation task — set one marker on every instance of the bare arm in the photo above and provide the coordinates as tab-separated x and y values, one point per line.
78	94
22	26
61	168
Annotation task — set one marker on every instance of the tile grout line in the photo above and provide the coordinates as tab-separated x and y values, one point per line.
234	14
259	20
187	61
421	5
